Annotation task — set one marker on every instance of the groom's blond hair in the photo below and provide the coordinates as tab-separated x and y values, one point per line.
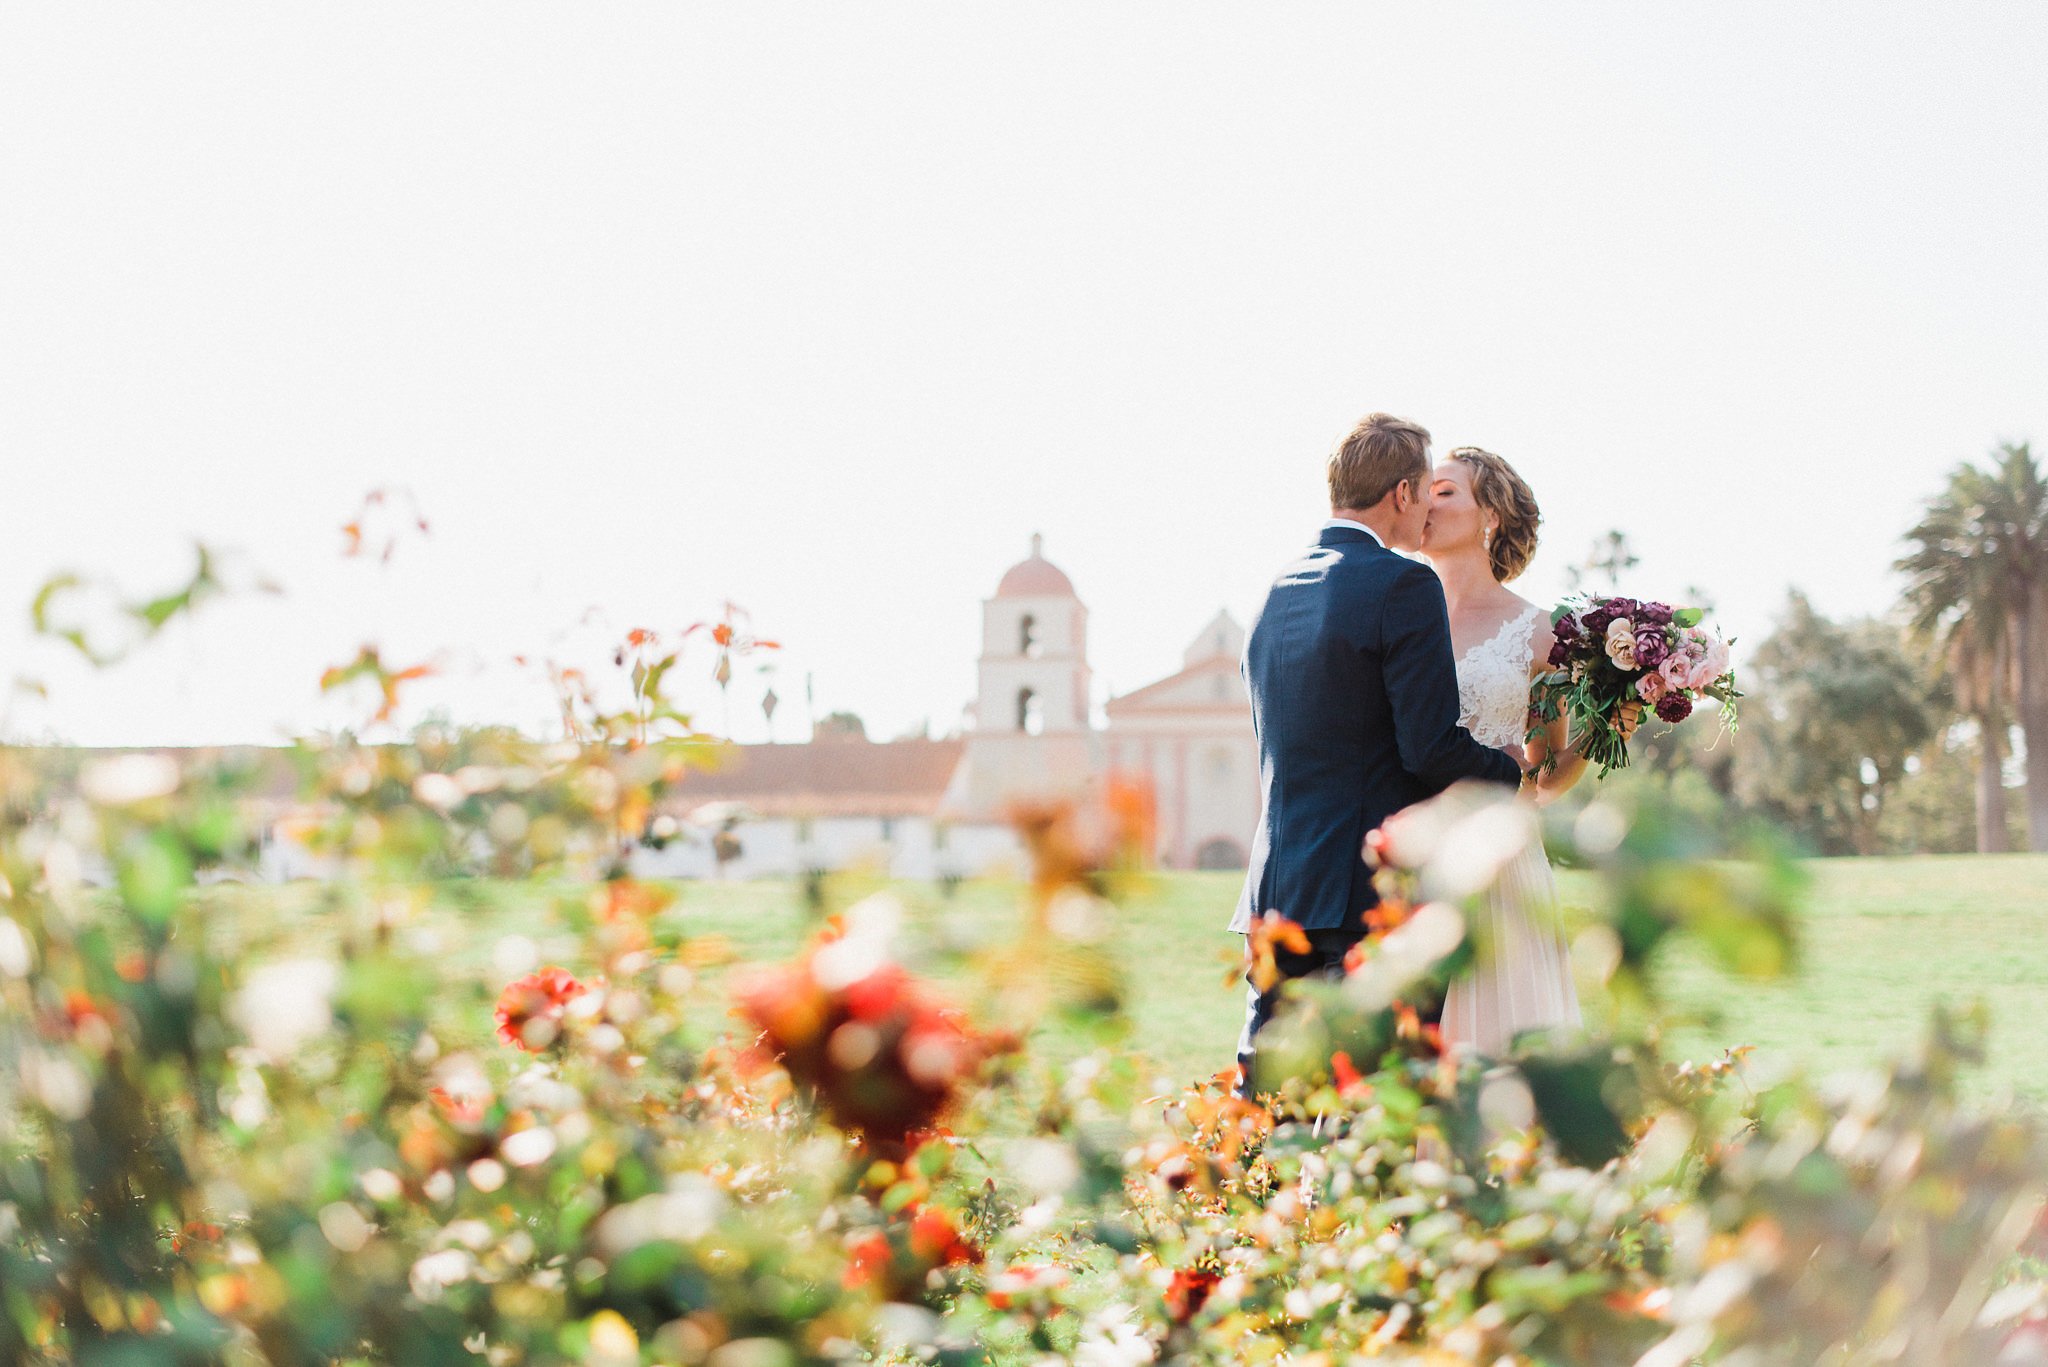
1381	452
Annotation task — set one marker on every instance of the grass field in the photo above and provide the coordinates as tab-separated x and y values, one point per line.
1883	939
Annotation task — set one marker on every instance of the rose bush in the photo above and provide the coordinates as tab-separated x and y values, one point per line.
340	1138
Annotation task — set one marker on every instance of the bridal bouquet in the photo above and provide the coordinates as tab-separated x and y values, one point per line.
1611	652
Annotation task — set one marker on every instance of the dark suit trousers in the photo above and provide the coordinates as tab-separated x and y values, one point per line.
1325	959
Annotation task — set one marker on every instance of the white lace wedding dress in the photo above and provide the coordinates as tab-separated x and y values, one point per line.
1523	978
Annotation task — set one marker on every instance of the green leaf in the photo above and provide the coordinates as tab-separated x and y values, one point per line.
152	875
1688	617
1570	1098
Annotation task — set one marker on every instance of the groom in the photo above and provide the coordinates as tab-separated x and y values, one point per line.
1355	702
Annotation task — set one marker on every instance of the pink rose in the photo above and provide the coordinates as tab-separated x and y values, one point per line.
1677	671
1713	666
1621	643
1652	686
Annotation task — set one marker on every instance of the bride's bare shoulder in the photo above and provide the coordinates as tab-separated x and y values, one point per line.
1541	637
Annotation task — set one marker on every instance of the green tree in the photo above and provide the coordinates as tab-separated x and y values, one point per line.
1842	708
1977	592
840	726
1610	558
1935	809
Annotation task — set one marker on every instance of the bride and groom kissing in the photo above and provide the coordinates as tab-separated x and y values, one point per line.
1378	681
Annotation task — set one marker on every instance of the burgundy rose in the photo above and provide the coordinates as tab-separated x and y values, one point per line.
1566	628
1560	653
1598	620
1653	614
1651	646
1674	707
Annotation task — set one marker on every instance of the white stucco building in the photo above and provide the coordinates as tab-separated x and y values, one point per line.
1190	736
936	808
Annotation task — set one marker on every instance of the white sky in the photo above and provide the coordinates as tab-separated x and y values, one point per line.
825	309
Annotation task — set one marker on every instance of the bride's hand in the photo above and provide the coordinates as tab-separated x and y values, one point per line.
1627	720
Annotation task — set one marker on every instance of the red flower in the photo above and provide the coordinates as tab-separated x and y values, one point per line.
935	1240
1189	1291
879	1054
1173	1164
537	998
195	1232
1020	1281
868	1264
880	994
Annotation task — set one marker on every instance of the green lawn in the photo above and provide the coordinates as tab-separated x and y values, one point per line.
1883	939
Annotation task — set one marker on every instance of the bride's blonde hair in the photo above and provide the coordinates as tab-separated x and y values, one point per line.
1500	491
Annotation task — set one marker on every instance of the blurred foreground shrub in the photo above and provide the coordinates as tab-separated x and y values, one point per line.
238	1144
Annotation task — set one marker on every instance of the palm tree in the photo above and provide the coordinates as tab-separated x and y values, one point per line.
1975	591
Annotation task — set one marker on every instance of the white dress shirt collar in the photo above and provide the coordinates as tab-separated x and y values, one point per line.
1347	522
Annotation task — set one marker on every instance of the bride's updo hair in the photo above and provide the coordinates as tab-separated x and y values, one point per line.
1500	491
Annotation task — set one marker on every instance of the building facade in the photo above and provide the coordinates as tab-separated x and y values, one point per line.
937	808
1190	737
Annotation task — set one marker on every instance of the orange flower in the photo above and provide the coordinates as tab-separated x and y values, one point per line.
628	900
1651	1302
536	998
1133	814
1409	1025
1271	933
427	1144
1349	1080
1388	915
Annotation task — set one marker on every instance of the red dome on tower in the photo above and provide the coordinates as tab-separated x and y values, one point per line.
1036	577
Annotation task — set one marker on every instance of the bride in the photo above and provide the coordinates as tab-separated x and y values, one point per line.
1481	533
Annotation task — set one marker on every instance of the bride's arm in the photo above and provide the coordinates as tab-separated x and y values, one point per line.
1553	780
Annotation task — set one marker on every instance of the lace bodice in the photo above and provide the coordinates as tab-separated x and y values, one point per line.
1493	683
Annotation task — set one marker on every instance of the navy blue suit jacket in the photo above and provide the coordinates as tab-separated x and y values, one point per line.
1355	701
